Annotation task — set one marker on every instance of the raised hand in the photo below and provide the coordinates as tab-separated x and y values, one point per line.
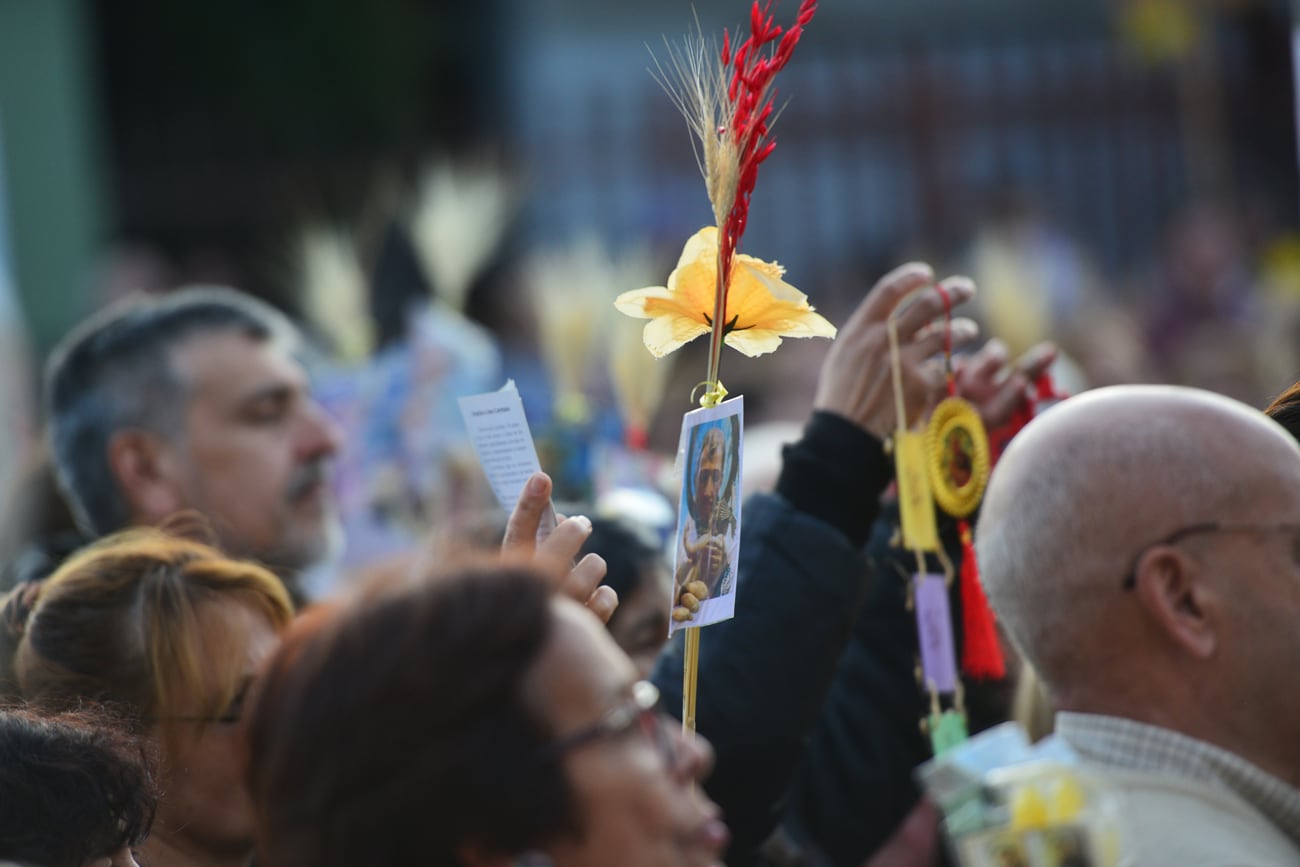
994	385
556	551
856	381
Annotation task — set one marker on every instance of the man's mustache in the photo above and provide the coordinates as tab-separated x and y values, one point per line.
307	477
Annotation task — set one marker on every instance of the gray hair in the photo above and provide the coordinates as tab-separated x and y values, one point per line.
115	372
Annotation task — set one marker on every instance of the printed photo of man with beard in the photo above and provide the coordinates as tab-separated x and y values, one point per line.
709	517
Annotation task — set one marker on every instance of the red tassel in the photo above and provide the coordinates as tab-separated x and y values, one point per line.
981	652
1000	438
1043	390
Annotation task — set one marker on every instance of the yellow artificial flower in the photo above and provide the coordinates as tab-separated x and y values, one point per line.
761	307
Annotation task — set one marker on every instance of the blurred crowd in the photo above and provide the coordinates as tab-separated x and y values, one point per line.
259	606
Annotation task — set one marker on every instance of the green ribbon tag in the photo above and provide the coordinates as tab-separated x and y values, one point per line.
947	730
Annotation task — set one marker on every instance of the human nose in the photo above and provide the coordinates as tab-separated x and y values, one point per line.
694	756
322	437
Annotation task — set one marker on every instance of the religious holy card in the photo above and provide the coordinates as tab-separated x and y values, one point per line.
707	547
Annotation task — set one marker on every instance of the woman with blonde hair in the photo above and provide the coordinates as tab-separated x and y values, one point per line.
170	632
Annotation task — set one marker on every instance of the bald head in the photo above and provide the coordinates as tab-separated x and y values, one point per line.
1085	488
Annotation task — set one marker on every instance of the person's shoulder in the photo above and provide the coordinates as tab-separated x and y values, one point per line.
1169	821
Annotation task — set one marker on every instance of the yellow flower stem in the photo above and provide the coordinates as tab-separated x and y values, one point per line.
712	394
710	397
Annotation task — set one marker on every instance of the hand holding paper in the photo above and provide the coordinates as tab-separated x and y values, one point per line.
556	551
499	431
855	377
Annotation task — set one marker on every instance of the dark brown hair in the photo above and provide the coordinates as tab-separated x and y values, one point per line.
115	371
1285	410
394	731
74	786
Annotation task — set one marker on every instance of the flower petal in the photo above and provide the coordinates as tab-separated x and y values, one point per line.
702	246
664	334
694	282
772	269
633	303
762	300
755	341
761	307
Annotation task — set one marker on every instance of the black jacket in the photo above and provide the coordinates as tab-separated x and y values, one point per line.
802	578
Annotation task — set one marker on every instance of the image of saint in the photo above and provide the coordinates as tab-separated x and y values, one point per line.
960	457
709	530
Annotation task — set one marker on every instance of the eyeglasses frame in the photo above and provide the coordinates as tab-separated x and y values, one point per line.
1130	578
643	710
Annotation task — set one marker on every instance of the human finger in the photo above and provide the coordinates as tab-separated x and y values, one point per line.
1037	360
526	518
580	582
924	385
932	340
999	406
987	364
888	293
561	548
603	602
931	303
979	375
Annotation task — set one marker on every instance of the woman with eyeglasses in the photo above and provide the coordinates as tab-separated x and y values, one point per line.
474	720
169	632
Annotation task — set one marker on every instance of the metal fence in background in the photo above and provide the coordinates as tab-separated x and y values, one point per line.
880	155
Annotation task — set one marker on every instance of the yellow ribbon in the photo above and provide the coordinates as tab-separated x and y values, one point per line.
714	393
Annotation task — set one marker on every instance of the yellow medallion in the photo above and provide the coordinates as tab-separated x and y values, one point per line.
958	451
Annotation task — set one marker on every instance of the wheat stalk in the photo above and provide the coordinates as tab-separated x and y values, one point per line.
695	79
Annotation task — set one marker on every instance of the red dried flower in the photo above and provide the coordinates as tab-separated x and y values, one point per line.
754	66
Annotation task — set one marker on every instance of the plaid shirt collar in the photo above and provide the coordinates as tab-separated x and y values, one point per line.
1131	745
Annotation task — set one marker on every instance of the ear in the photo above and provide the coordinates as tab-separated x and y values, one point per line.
1175	594
145	470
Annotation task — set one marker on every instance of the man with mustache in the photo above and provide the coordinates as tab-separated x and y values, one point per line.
195	401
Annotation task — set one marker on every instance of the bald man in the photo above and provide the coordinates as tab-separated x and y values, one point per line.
1141	546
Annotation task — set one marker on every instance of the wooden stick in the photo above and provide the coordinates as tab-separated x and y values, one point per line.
691	660
690	674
